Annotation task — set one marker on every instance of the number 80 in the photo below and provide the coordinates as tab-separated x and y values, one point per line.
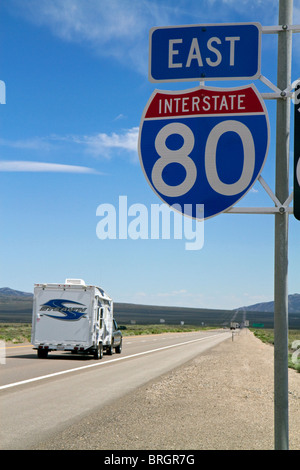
182	156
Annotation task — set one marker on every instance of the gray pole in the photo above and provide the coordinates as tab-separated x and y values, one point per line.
281	426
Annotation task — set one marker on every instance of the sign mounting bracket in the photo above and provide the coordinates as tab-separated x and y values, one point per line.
278	208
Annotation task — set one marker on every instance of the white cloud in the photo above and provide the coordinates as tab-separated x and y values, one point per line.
97	145
119	28
35	143
179	292
116	28
101	143
27	166
104	145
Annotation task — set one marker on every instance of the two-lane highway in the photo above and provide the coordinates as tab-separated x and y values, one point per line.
38	397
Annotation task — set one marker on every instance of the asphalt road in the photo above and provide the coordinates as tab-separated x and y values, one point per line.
39	397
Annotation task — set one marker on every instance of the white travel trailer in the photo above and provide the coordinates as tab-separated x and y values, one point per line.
73	317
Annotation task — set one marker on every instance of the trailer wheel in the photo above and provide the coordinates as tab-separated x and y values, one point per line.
98	354
118	349
42	353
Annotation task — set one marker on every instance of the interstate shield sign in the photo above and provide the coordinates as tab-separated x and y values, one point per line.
203	146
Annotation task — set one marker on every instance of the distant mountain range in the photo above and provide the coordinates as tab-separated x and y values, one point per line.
16	306
293	301
10	293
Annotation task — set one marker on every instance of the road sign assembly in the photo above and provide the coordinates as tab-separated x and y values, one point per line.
212	52
203	146
207	146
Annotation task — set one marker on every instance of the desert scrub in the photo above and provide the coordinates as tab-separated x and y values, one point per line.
267	336
135	330
15	332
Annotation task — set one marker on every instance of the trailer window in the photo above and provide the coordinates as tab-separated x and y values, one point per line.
101	317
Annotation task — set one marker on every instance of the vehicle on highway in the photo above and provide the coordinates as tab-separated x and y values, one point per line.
74	317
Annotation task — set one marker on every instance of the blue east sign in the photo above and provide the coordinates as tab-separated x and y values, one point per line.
205	52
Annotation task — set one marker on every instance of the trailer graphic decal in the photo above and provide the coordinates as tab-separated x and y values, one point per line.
58	305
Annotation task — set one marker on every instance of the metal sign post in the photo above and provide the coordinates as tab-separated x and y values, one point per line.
281	431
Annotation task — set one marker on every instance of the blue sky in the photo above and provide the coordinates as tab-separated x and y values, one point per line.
76	75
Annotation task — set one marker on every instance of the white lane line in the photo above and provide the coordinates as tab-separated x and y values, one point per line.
55	374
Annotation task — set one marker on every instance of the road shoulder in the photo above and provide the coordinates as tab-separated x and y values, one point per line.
223	399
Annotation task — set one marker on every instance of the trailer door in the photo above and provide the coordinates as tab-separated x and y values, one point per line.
62	316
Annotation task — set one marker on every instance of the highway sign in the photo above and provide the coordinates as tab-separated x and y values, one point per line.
205	52
297	155
203	146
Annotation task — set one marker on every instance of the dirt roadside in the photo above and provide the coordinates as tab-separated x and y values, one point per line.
221	400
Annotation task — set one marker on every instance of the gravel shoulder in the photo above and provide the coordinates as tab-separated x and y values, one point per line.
221	400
